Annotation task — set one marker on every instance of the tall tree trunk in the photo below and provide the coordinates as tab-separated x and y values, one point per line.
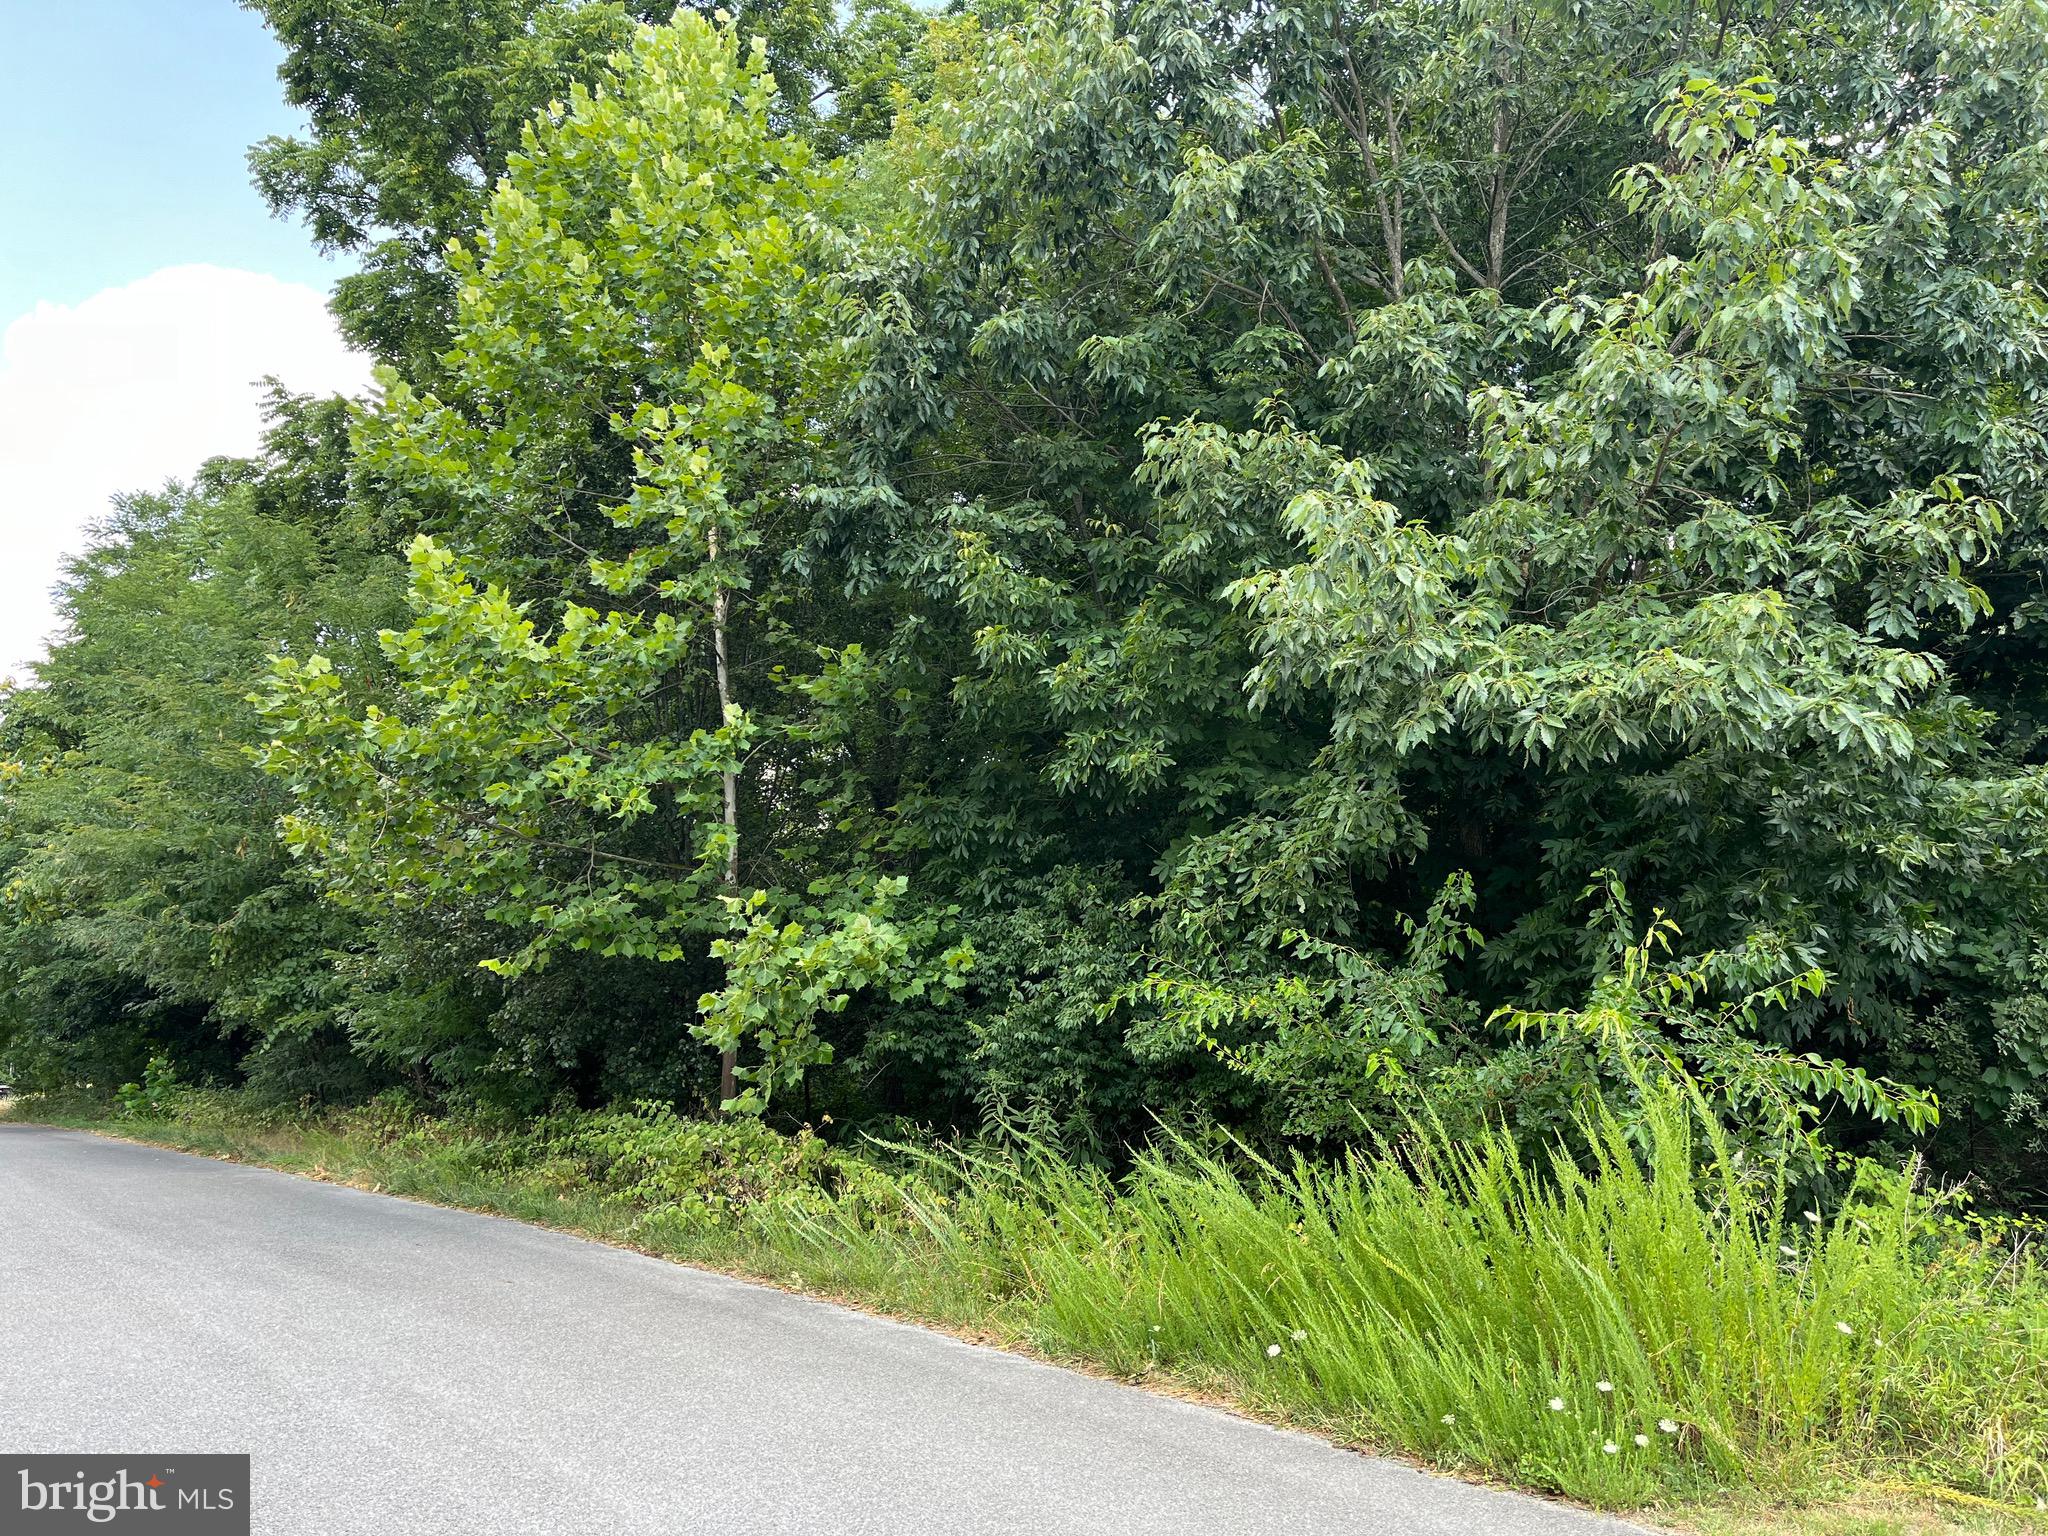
721	605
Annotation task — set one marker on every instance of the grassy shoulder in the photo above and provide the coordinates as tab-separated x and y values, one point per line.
1635	1331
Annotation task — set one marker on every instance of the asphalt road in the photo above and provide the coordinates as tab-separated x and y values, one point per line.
398	1369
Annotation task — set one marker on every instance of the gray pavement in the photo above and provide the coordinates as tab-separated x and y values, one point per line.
399	1369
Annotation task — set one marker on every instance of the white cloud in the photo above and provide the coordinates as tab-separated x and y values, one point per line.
134	386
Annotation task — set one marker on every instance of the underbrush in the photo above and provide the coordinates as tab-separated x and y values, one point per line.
1643	1321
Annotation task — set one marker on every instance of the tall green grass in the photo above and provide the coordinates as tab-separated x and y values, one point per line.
1620	1325
1640	1319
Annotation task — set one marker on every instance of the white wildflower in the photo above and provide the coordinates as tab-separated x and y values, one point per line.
1611	1448
1557	1405
1603	1386
1450	1418
1300	1335
1667	1426
1843	1328
1272	1350
1642	1439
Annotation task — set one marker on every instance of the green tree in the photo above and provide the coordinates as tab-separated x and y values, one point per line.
1310	453
144	900
639	366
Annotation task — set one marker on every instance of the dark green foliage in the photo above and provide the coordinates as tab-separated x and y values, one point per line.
414	108
1531	444
1048	1016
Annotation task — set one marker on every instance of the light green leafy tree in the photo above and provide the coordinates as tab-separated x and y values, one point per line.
783	969
641	349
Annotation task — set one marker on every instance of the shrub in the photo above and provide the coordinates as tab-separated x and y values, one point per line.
156	1096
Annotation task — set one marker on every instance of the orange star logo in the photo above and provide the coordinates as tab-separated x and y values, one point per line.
154	1481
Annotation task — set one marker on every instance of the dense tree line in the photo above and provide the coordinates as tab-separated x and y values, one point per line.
1082	564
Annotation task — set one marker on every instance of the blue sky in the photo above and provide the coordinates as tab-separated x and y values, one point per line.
145	290
124	124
